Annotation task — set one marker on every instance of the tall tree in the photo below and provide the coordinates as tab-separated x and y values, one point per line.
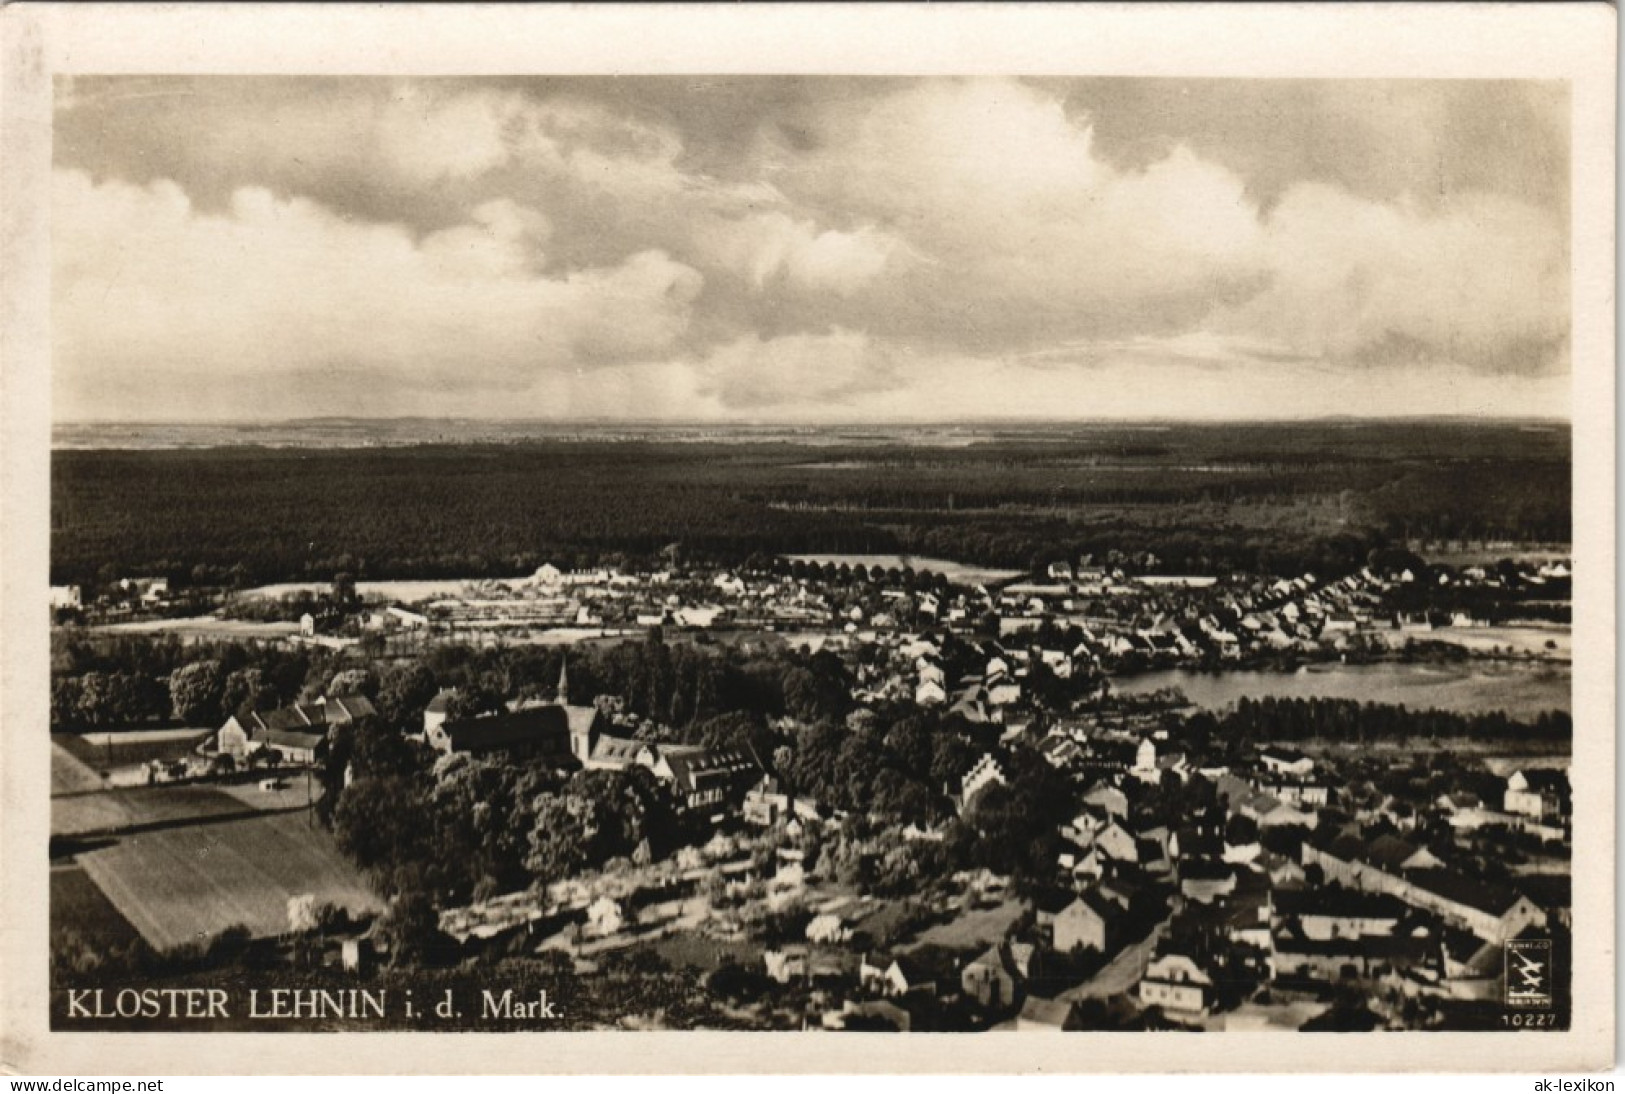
404	692
195	692
246	689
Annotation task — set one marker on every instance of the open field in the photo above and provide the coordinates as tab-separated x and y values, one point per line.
100	751
77	905
295	793
972	928
1468	687
569	636
689	948
1555	642
185	885
201	628
115	810
70	774
407	592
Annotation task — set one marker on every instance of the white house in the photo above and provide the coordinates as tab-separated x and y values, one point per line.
1286	761
1177	984
985	773
1145	757
1540	794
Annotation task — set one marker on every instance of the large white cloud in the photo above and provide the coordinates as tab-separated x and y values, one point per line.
1025	235
1030	240
145	283
1481	282
773	249
959	245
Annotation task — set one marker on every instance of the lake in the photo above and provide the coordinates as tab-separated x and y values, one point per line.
1523	691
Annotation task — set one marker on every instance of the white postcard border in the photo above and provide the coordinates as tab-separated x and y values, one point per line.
1573	42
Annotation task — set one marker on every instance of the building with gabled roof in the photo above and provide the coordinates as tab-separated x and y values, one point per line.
1087	922
1107	798
984	773
1389	852
1293	956
1489	910
705	778
897	975
1178	984
1331	911
616	753
1539	793
992	977
295	747
539	731
296	731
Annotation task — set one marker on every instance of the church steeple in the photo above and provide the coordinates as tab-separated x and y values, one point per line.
563	695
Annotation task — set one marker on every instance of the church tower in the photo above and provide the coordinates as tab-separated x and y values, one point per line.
583	721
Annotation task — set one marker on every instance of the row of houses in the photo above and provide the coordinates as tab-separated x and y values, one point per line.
296	732
1387	864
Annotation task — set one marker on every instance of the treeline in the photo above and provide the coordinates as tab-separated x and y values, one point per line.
128	682
234	517
1275	719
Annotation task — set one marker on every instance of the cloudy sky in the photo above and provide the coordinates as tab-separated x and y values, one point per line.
808	249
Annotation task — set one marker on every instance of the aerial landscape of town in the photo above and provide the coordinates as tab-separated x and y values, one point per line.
811	554
1104	790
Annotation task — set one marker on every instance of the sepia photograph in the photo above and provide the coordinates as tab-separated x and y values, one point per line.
704	550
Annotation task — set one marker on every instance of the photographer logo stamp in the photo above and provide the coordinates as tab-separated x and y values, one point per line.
1529	972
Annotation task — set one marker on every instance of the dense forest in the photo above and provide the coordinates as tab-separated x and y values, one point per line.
1265	498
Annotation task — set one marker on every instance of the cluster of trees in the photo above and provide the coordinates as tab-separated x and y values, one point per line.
103	699
1350	720
899	763
1014	827
704	695
494	825
131	681
1484	498
489	510
451	829
696	694
900	577
288	608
